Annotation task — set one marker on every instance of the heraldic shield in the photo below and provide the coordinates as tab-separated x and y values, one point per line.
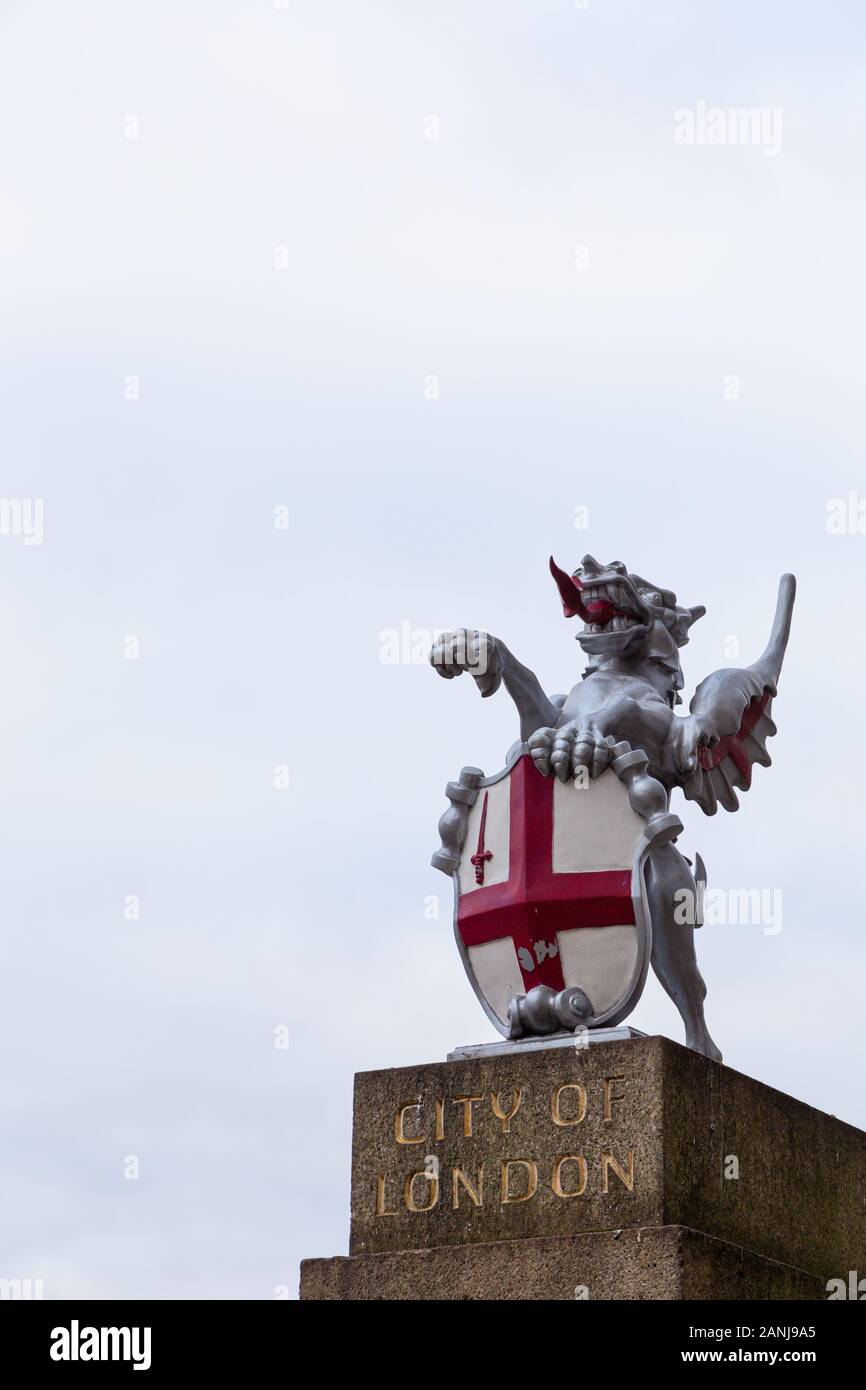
551	916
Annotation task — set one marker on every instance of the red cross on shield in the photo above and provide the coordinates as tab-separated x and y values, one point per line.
550	891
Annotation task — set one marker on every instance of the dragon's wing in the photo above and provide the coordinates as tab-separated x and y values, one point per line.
733	708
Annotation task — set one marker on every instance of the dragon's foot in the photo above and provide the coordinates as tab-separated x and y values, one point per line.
700	1041
572	749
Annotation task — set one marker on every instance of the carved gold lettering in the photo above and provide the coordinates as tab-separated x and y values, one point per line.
555	1113
467	1102
506	1116
380	1197
608	1162
609	1098
409	1191
399	1132
531	1180
476	1193
440	1119
556	1179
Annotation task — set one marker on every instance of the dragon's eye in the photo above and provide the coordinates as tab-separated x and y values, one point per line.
653	596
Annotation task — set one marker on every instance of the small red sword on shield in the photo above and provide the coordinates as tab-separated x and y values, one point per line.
481	854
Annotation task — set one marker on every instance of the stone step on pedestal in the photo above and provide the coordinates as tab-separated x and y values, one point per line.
657	1262
630	1135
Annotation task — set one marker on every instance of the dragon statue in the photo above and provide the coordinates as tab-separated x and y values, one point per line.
621	715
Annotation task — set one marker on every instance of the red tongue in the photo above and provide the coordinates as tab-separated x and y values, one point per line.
599	610
570	587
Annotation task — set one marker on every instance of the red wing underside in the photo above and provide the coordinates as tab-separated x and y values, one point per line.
726	768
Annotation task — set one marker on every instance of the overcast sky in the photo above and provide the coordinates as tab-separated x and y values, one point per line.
431	277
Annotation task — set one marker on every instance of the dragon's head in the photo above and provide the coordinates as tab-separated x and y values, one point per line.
625	616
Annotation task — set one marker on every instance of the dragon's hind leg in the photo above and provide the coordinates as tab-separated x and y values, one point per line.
668	879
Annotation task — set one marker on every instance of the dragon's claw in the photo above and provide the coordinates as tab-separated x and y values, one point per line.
578	747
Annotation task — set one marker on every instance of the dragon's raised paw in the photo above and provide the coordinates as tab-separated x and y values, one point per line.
467	649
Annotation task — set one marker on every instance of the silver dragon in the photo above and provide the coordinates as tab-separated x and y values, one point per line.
632	634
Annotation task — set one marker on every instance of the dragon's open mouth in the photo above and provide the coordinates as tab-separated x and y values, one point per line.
616	616
610	606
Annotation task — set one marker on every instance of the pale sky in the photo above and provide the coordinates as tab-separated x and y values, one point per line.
233	262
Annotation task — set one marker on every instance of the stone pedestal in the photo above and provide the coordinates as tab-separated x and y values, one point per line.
633	1169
